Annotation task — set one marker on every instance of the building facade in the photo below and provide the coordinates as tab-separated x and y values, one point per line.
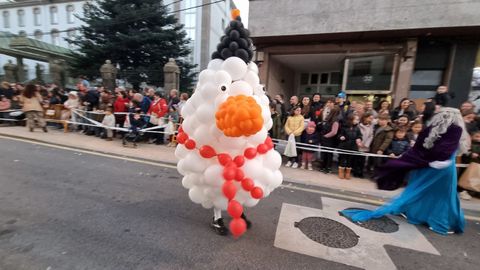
52	21
382	47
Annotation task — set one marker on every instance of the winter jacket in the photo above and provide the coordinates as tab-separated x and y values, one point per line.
398	146
381	139
32	104
311	139
328	133
396	114
119	104
351	134
276	131
71	104
159	107
109	120
367	137
295	125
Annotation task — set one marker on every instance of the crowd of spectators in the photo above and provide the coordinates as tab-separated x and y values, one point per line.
373	128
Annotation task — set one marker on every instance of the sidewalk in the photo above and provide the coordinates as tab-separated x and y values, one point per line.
164	154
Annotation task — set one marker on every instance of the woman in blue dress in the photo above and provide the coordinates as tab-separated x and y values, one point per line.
431	194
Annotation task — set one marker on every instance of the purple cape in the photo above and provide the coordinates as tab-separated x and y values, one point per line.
392	175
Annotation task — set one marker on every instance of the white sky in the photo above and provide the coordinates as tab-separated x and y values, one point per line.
243	6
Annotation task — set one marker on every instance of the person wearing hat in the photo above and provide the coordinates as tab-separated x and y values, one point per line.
309	137
157	112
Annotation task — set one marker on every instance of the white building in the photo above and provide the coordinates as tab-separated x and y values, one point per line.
52	21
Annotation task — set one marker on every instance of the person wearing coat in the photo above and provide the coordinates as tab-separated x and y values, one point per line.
350	138
32	107
295	125
366	128
328	133
382	137
276	131
158	110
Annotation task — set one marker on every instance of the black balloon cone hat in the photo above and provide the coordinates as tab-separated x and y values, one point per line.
235	42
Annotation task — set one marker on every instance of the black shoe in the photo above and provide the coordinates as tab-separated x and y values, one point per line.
249	223
45	129
31	129
219	227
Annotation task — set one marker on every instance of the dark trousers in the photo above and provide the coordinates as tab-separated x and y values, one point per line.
358	165
345	161
158	137
327	159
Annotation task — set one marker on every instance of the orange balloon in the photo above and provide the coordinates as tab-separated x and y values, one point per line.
239	116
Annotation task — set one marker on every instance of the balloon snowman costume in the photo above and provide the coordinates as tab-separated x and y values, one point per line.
224	152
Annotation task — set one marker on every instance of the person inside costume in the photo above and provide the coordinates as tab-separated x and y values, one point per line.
431	194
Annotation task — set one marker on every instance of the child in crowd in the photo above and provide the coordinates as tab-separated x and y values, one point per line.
414	131
328	133
310	137
295	126
109	122
276	131
173	118
402	122
400	143
350	138
382	137
136	124
366	128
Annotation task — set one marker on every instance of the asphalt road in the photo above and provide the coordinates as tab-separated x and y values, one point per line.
62	209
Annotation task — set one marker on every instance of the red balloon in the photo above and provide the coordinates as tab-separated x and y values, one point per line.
180	129
229	189
239	175
182	137
224	159
229	174
238	226
239	160
235	209
250	153
269	143
257	193
207	151
190	144
247	184
262	148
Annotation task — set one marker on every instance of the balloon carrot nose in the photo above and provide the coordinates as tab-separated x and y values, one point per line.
239	116
235	13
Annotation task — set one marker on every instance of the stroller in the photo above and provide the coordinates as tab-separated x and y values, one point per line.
134	134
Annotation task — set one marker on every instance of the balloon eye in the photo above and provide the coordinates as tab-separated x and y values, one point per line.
224	88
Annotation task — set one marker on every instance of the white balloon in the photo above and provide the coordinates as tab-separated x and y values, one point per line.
220	202
206	113
189	125
277	180
253	67
258	90
251	202
272	160
251	78
195	163
264	100
196	194
207	204
269	124
236	67
213	175
188	181
181	151
181	167
215	133
187	110
215	64
222	78
253	168
209	91
220	99
258	137
240	88
206	76
232	142
201	135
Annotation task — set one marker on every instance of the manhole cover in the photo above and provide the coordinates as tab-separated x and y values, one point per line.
328	232
382	225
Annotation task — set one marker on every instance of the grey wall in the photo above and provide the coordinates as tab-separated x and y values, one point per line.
296	17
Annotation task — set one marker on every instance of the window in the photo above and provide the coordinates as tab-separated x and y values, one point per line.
304	78
71	35
70	16
324	78
361	68
36	17
38	35
6	19
21	17
22	33
314	78
55	37
53	15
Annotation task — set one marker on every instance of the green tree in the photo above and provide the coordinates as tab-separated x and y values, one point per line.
139	35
